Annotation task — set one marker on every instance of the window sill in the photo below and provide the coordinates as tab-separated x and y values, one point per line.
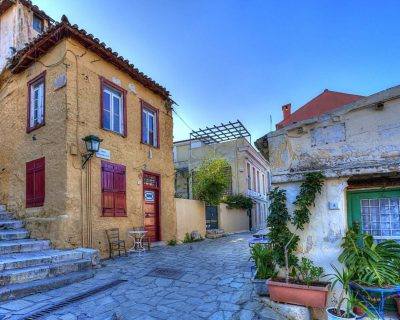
150	145
105	216
30	129
115	132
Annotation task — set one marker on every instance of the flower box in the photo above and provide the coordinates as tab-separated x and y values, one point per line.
315	295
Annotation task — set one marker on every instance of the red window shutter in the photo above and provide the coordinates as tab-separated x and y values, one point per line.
113	182
35	183
120	190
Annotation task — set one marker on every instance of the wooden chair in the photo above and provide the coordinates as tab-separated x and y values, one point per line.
115	243
146	239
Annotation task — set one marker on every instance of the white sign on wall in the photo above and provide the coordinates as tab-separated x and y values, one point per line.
103	154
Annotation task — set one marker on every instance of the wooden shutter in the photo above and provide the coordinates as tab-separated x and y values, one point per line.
35	183
113	182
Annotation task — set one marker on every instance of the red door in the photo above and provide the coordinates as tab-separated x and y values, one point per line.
151	205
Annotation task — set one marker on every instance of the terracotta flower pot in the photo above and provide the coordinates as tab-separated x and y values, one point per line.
314	296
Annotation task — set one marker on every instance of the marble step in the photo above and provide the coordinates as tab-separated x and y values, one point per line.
23	245
4	215
11	224
13	276
31	259
20	290
14	234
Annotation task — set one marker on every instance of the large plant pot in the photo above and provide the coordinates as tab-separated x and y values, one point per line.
260	286
331	316
314	296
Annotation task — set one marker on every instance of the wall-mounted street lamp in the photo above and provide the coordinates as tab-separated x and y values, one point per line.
92	144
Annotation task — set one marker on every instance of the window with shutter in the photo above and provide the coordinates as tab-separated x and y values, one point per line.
35	183
113	184
36	102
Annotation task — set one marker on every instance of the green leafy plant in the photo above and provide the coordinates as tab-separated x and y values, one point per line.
189	239
307	272
211	180
238	201
373	264
172	242
264	261
279	233
306	198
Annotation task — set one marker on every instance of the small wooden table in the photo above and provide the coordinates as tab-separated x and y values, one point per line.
137	236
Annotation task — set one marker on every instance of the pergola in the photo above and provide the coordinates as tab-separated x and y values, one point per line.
220	133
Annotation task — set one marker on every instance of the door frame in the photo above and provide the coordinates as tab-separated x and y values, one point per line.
158	190
353	198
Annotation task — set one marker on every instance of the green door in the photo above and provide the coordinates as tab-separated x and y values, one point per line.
377	212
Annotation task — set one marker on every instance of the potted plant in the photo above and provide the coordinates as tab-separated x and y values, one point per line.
374	266
304	288
264	268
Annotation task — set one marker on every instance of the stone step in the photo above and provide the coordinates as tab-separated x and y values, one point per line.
11	224
5	215
31	259
13	276
13	234
23	245
3	207
20	290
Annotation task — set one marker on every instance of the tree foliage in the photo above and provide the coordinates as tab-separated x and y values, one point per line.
211	180
238	201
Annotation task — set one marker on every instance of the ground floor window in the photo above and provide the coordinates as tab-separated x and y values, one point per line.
377	211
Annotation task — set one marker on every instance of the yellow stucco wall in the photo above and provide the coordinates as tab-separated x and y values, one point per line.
232	220
18	147
71	215
190	216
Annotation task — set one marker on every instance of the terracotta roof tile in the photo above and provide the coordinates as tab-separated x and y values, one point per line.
326	102
5	4
44	42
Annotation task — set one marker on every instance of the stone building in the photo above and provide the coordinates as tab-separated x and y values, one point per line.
249	176
63	86
355	142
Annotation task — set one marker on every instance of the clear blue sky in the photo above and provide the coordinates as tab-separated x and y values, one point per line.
225	60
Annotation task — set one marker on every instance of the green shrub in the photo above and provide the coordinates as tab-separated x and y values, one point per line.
189	239
307	272
172	242
211	180
264	261
238	201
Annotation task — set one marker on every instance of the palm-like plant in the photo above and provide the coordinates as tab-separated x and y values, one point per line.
373	264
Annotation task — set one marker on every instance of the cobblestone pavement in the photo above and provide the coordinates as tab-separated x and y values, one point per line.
215	284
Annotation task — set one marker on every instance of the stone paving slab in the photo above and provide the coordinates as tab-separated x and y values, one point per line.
215	285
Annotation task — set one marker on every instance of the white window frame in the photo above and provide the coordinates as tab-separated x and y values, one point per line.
41	23
147	114
36	106
119	96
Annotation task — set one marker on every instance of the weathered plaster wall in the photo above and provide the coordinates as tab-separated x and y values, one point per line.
83	119
16	30
190	216
18	147
365	139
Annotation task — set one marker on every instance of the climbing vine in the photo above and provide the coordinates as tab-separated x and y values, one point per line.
280	235
309	189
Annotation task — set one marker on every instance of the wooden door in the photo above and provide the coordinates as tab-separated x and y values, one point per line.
151	205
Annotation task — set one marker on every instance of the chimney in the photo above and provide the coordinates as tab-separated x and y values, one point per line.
286	110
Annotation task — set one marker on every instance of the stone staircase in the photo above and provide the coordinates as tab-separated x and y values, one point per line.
29	266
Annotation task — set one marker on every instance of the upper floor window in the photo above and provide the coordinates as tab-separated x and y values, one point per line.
254	180
113	108
36	105
149	125
37	23
248	177
258	181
